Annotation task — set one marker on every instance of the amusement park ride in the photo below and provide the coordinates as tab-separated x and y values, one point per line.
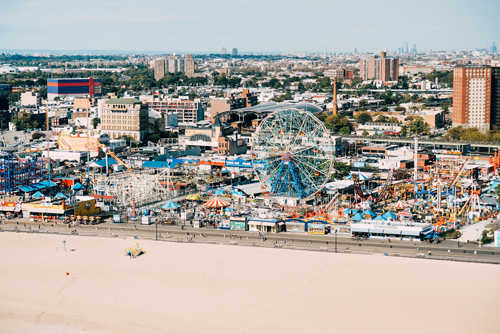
292	157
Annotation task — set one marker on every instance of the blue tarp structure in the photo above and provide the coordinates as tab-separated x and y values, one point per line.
170	205
379	218
61	195
348	211
388	215
361	176
102	163
156	164
78	186
357	216
368	212
47	184
38	195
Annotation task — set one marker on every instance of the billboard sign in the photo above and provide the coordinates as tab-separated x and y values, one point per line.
69	143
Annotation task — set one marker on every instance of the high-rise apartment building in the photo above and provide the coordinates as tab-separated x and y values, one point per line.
476	96
223	51
494	48
379	68
159	68
235	52
124	117
174	64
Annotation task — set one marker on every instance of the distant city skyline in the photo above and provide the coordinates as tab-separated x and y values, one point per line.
195	26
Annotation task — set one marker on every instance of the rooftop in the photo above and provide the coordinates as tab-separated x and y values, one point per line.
123	101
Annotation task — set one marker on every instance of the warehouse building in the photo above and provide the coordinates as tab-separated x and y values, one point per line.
88	87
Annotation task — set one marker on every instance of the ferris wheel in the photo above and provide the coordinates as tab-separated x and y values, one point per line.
292	154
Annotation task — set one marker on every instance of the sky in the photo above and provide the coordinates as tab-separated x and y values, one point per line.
259	26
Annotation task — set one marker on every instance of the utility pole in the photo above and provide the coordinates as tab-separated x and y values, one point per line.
415	163
48	145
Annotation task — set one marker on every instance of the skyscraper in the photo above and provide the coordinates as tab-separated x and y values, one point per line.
223	51
355	50
235	52
174	64
476	96
406	47
494	48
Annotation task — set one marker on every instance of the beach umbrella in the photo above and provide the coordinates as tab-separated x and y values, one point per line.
216	203
61	195
193	197
379	218
37	195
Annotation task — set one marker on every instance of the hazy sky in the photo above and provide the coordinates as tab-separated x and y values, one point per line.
249	25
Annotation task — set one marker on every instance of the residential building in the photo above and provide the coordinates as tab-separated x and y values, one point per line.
188	112
412	70
476	96
379	68
159	68
89	87
174	64
121	117
232	145
223	51
31	99
59	121
219	105
8	69
235	52
339	73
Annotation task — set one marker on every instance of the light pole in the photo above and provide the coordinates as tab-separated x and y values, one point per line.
156	224
335	240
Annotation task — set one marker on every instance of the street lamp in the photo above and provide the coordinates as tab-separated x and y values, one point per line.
156	224
335	240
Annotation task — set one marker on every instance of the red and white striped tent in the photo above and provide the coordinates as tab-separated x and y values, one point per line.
404	214
216	203
400	205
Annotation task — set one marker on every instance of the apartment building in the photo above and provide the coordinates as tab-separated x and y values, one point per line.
476	96
174	64
379	68
219	105
188	112
339	73
124	117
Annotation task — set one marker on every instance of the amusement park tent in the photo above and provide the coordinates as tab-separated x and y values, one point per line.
388	215
78	186
379	218
193	197
47	183
61	195
102	163
361	176
216	203
404	214
170	205
38	195
368	212
357	216
399	205
348	211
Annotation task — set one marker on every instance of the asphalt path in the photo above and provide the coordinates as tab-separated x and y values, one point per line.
343	242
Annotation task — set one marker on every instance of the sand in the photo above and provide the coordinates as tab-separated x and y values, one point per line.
195	288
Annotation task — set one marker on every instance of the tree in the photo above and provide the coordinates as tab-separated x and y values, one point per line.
37	135
404	131
484	236
337	122
364	117
153	137
192	95
345	130
341	170
127	138
399	108
57	98
365	133
96	121
382	119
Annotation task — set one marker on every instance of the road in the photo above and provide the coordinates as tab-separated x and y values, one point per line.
447	248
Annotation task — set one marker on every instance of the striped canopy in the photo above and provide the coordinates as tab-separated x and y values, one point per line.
216	203
400	205
193	197
404	214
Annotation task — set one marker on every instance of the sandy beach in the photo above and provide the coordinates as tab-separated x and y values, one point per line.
195	288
